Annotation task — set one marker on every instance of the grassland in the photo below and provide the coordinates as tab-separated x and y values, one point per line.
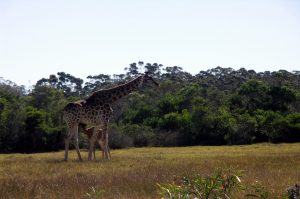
133	173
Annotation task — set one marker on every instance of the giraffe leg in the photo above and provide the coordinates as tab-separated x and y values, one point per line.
76	142
100	141
67	143
68	138
94	152
92	142
106	147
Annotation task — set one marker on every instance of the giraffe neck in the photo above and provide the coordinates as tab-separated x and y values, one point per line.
113	94
124	89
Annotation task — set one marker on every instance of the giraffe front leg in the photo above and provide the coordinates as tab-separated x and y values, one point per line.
105	143
101	141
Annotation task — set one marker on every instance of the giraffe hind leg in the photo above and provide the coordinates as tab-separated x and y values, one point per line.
76	142
94	152
93	139
67	143
106	148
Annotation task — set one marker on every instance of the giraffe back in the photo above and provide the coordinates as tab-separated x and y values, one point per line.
90	111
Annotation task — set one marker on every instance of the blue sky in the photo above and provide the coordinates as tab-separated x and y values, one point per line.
43	37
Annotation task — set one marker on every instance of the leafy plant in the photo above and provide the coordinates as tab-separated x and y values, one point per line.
220	184
94	193
258	191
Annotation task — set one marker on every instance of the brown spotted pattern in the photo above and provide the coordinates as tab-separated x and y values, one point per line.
96	110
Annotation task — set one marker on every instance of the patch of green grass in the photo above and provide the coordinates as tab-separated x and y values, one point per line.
135	172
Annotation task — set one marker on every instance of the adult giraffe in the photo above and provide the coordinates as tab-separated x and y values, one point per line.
96	110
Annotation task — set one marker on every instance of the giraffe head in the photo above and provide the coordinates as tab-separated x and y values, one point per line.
148	80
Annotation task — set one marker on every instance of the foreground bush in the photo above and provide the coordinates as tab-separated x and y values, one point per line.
221	184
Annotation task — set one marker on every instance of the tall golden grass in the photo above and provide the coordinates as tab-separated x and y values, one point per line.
135	172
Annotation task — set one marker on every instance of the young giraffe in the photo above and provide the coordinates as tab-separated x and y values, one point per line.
100	139
96	110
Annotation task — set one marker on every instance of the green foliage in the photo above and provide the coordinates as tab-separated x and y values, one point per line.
244	132
141	135
221	184
70	85
11	116
214	107
254	95
170	103
118	139
282	97
277	127
174	120
39	134
258	191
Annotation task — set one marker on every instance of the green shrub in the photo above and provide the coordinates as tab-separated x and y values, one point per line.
222	184
219	185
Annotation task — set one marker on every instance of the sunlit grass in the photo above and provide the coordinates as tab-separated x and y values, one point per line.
134	172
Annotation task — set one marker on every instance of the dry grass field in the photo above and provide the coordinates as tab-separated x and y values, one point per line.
133	173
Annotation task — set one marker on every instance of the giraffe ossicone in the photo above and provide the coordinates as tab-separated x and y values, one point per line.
96	110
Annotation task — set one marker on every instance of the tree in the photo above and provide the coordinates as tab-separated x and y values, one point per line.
132	70
246	127
11	115
282	97
254	95
176	73
70	85
97	82
40	133
153	69
213	107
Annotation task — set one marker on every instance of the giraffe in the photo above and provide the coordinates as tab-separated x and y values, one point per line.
100	139
96	110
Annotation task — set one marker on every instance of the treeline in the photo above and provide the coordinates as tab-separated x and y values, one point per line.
214	107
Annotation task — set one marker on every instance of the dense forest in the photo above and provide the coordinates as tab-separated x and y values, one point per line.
220	106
